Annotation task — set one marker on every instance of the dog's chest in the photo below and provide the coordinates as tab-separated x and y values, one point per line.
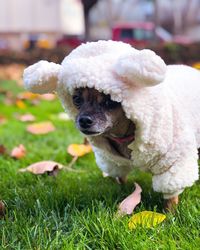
121	148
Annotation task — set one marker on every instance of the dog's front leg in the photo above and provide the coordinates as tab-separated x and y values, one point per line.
112	165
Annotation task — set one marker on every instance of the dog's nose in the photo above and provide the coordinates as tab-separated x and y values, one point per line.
85	122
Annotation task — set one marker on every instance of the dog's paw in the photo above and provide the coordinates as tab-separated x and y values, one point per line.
121	180
170	204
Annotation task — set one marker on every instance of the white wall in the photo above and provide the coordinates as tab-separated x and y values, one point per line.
29	15
41	16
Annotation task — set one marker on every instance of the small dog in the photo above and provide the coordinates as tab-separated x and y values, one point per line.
100	116
135	110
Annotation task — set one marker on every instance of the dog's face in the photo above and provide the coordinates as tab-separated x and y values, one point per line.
98	114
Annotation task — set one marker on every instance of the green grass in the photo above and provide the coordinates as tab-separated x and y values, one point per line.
76	210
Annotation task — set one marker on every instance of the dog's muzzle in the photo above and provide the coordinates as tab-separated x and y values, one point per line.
85	122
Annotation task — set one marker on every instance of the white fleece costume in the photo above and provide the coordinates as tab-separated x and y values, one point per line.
163	101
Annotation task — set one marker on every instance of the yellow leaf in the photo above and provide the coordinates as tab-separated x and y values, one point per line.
28	96
20	104
196	65
146	219
79	149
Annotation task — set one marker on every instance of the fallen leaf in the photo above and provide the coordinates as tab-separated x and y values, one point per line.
2	119
26	118
3	92
18	152
9	101
127	205
2	209
34	99
79	149
50	167
196	65
63	116
27	96
47	97
2	150
35	102
12	72
20	104
40	128
146	219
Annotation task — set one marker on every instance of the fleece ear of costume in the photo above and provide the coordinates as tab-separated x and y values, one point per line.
141	68
42	77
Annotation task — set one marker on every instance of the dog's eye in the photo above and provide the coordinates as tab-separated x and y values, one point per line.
109	104
78	101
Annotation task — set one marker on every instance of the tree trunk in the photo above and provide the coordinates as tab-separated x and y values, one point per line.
87	5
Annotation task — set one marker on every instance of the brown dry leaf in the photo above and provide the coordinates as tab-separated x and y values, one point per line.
40	128
12	72
2	119
20	104
2	150
50	167
18	152
127	205
78	150
3	91
48	97
26	118
35	102
9	99
2	209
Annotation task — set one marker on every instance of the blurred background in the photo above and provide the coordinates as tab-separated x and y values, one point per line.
49	29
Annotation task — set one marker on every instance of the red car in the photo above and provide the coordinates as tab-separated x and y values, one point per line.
143	34
71	41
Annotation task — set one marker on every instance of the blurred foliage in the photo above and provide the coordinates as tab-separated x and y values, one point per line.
175	53
171	53
31	56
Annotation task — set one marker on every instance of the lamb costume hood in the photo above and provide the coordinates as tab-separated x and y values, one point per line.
163	102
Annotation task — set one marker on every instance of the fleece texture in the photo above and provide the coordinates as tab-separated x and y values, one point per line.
163	101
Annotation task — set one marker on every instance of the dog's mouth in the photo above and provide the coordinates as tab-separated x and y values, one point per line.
87	132
127	137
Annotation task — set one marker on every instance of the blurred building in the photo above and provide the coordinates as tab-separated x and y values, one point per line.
49	21
43	20
108	12
179	17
